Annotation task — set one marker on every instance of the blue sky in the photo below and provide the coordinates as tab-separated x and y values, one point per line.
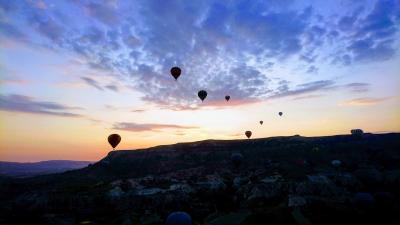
104	61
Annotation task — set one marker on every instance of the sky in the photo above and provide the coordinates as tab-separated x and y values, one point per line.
73	72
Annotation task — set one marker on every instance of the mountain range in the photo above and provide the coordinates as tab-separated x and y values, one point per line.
18	169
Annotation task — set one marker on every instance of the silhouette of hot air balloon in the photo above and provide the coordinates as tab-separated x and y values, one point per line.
261	122
357	133
280	113
178	218
336	163
175	72
248	134
202	94
236	159
227	97
363	200
114	140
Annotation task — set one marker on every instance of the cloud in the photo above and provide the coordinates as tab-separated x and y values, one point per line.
370	50
372	37
48	27
104	12
138	110
364	101
223	47
196	37
317	86
307	97
236	135
112	87
347	22
358	87
92	83
112	107
11	31
26	104
98	86
306	88
180	133
312	69
40	4
13	81
135	127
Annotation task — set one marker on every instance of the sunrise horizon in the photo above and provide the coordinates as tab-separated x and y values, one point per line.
109	149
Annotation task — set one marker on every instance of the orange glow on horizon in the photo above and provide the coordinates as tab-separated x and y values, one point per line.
50	137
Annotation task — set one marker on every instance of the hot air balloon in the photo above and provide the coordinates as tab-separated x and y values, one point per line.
336	163
202	95
178	218
357	133
248	134
227	97
363	200
236	159
280	113
114	140
175	72
261	122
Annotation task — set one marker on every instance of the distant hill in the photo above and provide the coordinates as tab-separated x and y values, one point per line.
16	169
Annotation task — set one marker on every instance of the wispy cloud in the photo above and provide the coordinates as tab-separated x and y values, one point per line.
40	4
112	87
92	83
312	69
307	97
26	104
303	91
364	101
123	108
13	81
137	127
358	87
104	12
138	110
236	135
306	88
213	104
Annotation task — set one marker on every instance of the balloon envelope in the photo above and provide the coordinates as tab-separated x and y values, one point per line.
114	140
179	218
227	97
176	72
280	113
363	199
336	163
248	134
261	122
202	94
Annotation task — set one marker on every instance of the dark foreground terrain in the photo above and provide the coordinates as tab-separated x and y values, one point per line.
280	180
